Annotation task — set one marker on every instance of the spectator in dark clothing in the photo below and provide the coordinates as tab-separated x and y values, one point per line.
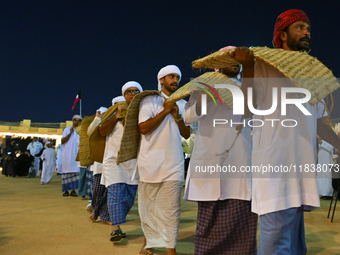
23	163
8	158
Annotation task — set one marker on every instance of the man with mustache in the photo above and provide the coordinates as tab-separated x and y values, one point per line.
35	147
161	163
295	36
70	169
121	189
98	205
280	198
225	223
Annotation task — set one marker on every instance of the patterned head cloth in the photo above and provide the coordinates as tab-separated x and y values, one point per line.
284	20
228	48
225	48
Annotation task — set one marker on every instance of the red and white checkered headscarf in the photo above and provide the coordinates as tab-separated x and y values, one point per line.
225	48
284	20
228	48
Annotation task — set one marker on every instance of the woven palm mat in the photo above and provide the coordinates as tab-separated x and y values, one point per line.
97	142
84	147
77	129
131	137
209	78
302	69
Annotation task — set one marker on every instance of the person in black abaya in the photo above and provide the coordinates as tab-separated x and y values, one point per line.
8	158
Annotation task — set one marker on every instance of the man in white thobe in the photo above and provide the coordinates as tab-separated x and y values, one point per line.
35	147
59	157
161	163
225	223
280	197
121	188
70	167
98	205
48	158
324	176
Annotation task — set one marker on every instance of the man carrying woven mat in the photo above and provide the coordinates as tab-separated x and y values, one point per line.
161	163
99	192
225	223
70	169
280	197
121	189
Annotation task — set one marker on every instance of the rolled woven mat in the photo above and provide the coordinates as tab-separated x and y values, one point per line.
77	129
97	142
209	78
301	68
131	137
84	147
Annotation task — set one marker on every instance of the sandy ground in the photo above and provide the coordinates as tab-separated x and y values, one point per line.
36	219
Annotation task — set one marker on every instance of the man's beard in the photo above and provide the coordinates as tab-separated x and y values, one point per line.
229	72
170	89
298	45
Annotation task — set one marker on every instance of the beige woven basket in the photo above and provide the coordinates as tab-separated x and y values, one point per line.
84	147
97	142
131	137
302	69
210	78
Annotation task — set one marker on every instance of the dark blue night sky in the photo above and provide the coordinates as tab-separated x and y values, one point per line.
51	49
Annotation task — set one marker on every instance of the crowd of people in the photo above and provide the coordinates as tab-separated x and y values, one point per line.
20	159
228	207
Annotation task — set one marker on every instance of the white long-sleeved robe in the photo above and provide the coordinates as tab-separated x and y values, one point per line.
59	157
70	151
48	157
35	148
97	167
275	146
325	160
210	148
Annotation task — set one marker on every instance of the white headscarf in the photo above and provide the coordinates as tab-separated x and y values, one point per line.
118	99
77	117
168	70
131	84
102	109
47	142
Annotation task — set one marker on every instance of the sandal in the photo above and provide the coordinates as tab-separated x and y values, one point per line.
92	218
89	208
117	235
66	194
148	251
73	194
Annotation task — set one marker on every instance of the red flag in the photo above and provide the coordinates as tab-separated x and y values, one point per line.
76	100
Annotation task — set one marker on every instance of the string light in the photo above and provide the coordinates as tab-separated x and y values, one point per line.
25	135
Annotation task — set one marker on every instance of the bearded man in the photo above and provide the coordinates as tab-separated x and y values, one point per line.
161	163
225	223
280	198
35	147
70	169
